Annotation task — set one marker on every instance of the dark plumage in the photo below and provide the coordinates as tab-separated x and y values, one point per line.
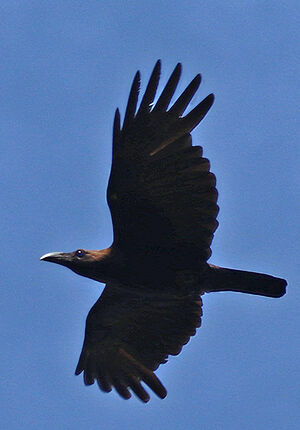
163	203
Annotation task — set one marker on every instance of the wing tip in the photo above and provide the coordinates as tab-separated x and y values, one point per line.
156	71
158	63
136	82
117	116
211	98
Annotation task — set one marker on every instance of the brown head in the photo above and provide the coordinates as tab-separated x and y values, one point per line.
91	264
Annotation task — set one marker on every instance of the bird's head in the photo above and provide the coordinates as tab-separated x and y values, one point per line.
91	264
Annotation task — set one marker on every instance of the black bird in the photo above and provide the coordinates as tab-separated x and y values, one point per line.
162	199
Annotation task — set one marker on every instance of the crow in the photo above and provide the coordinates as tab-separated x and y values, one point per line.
163	202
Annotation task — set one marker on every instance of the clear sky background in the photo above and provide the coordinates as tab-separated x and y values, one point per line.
65	67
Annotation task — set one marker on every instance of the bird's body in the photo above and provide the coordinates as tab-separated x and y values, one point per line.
163	202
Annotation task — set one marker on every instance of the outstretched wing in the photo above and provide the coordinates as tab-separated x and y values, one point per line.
161	193
129	334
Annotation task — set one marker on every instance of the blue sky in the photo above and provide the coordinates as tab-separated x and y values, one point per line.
65	67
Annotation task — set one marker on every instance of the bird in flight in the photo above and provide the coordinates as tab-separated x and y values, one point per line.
163	202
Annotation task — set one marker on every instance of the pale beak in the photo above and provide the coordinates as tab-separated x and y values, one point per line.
62	258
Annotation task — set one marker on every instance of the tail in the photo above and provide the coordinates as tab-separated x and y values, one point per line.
221	279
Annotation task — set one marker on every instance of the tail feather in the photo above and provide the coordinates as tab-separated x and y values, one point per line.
221	279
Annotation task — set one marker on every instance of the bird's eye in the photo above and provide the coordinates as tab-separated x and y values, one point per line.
80	253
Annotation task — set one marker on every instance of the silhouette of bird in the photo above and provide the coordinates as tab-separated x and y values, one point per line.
162	198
